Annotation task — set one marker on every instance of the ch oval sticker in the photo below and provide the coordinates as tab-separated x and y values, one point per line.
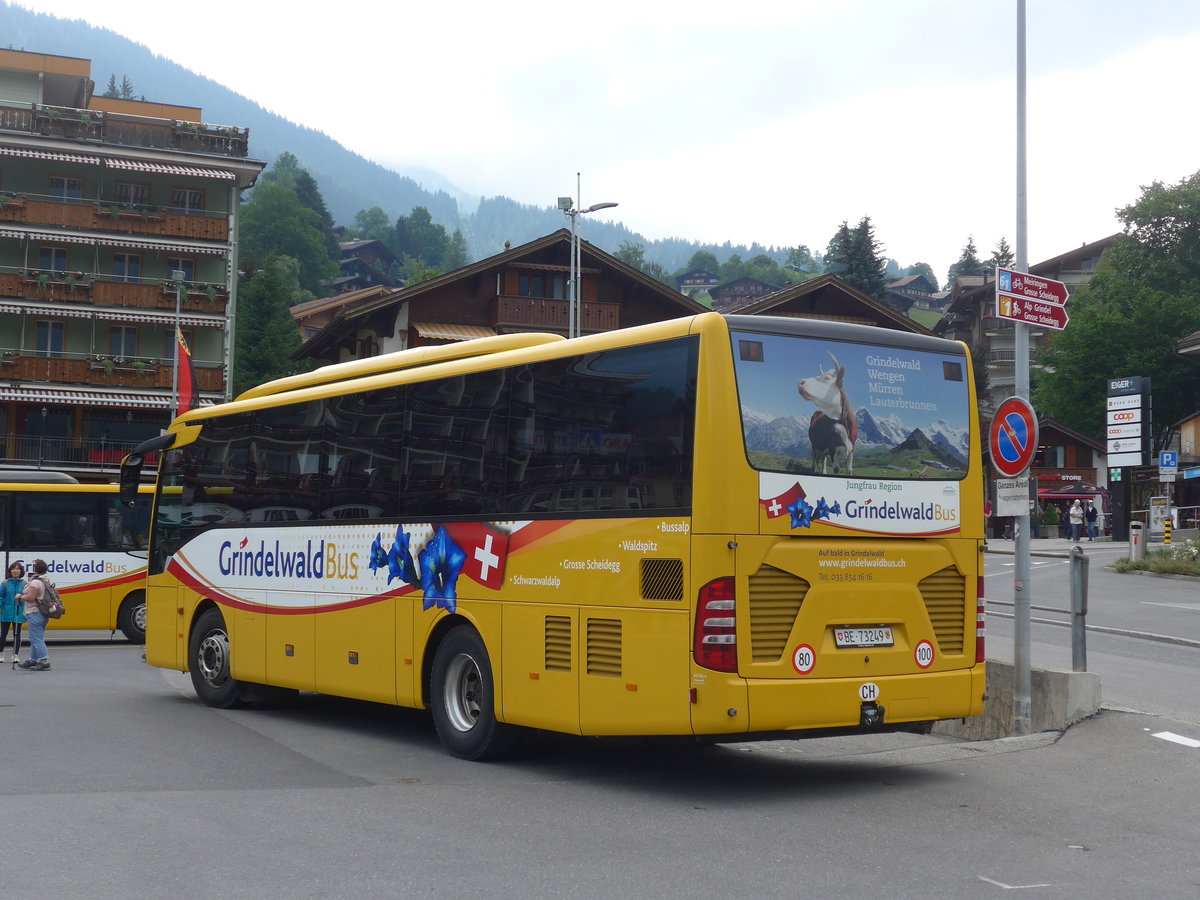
803	659
923	653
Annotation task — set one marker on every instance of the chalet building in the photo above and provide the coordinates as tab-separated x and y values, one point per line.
364	264
828	297
913	291
697	281
971	317
523	289
732	295
117	224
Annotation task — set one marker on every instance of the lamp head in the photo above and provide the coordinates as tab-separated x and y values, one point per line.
565	203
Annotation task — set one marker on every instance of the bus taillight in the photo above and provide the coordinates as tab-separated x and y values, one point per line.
716	626
979	622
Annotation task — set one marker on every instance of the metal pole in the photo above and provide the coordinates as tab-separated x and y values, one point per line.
178	276
574	214
1079	593
1022	588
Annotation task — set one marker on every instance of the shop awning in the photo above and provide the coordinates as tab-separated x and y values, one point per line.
160	319
58	310
54	155
40	394
137	165
1074	490
74	237
444	332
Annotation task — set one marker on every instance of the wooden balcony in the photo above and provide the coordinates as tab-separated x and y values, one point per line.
541	314
98	127
153	375
101	216
108	292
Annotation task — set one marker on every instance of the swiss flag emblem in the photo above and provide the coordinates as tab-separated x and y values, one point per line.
486	551
778	506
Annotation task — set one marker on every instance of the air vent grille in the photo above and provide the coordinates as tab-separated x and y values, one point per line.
558	644
662	579
944	594
775	600
604	647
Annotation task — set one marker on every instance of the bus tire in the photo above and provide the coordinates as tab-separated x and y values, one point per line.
131	617
208	662
463	699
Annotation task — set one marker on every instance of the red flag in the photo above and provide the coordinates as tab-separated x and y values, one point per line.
777	506
186	376
486	550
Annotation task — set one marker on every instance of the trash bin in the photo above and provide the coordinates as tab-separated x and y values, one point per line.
1137	546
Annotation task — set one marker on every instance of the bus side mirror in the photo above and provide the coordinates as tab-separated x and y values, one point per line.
131	478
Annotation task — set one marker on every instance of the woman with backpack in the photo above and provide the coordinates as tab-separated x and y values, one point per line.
12	608
35	591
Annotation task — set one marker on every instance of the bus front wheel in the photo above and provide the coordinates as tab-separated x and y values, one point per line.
463	699
131	617
208	660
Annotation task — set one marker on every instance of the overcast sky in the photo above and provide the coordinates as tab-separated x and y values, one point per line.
760	120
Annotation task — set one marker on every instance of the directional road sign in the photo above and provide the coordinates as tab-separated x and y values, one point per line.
1030	287
1032	312
1013	437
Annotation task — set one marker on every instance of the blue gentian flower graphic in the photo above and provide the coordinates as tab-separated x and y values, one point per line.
801	513
399	559
441	562
378	557
822	510
836	509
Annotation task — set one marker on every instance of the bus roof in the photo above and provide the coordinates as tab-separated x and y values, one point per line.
401	359
19	476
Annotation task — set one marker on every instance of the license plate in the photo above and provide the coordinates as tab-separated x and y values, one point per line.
876	636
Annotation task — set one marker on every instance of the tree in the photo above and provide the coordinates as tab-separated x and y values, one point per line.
801	259
702	260
968	264
855	256
631	254
266	332
275	223
922	269
456	252
1002	256
126	92
373	225
287	172
111	90
417	237
1143	299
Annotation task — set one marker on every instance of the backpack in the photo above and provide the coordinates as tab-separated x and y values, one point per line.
50	603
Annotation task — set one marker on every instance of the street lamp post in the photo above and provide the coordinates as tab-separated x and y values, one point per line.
570	206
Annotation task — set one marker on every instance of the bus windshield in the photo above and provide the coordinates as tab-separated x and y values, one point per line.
820	407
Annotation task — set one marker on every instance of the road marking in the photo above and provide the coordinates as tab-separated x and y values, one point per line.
1191	607
1012	887
1177	739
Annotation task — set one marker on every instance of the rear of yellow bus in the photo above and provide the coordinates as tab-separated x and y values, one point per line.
837	530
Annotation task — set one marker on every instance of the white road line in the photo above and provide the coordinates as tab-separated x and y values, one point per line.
1012	887
1177	739
1190	607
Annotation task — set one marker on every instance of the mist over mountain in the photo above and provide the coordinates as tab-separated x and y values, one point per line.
348	181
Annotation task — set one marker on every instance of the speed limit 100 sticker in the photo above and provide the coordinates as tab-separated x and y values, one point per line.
923	653
803	659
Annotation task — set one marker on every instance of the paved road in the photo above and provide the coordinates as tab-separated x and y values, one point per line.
143	792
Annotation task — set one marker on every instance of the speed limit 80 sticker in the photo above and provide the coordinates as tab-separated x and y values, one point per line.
803	659
923	653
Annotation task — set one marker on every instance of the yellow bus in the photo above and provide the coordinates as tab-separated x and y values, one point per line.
93	545
718	527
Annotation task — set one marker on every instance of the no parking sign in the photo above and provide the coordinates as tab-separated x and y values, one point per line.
1013	437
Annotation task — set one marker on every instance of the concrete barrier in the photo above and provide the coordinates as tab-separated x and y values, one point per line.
1058	699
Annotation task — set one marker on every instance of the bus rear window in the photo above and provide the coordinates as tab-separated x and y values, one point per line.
814	406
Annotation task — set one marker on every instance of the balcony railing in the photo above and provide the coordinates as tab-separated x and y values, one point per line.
127	130
25	451
146	373
108	290
537	312
109	215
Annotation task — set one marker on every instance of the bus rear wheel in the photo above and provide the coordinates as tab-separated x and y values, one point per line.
208	662
131	617
463	699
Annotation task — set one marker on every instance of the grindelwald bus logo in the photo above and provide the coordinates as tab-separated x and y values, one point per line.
319	559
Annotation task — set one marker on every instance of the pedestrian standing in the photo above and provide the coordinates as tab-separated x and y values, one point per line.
1076	517
12	608
35	590
1090	516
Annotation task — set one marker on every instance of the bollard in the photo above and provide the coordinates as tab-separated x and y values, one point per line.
1167	531
1137	549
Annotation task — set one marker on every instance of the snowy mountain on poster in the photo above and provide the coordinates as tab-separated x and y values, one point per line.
788	435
